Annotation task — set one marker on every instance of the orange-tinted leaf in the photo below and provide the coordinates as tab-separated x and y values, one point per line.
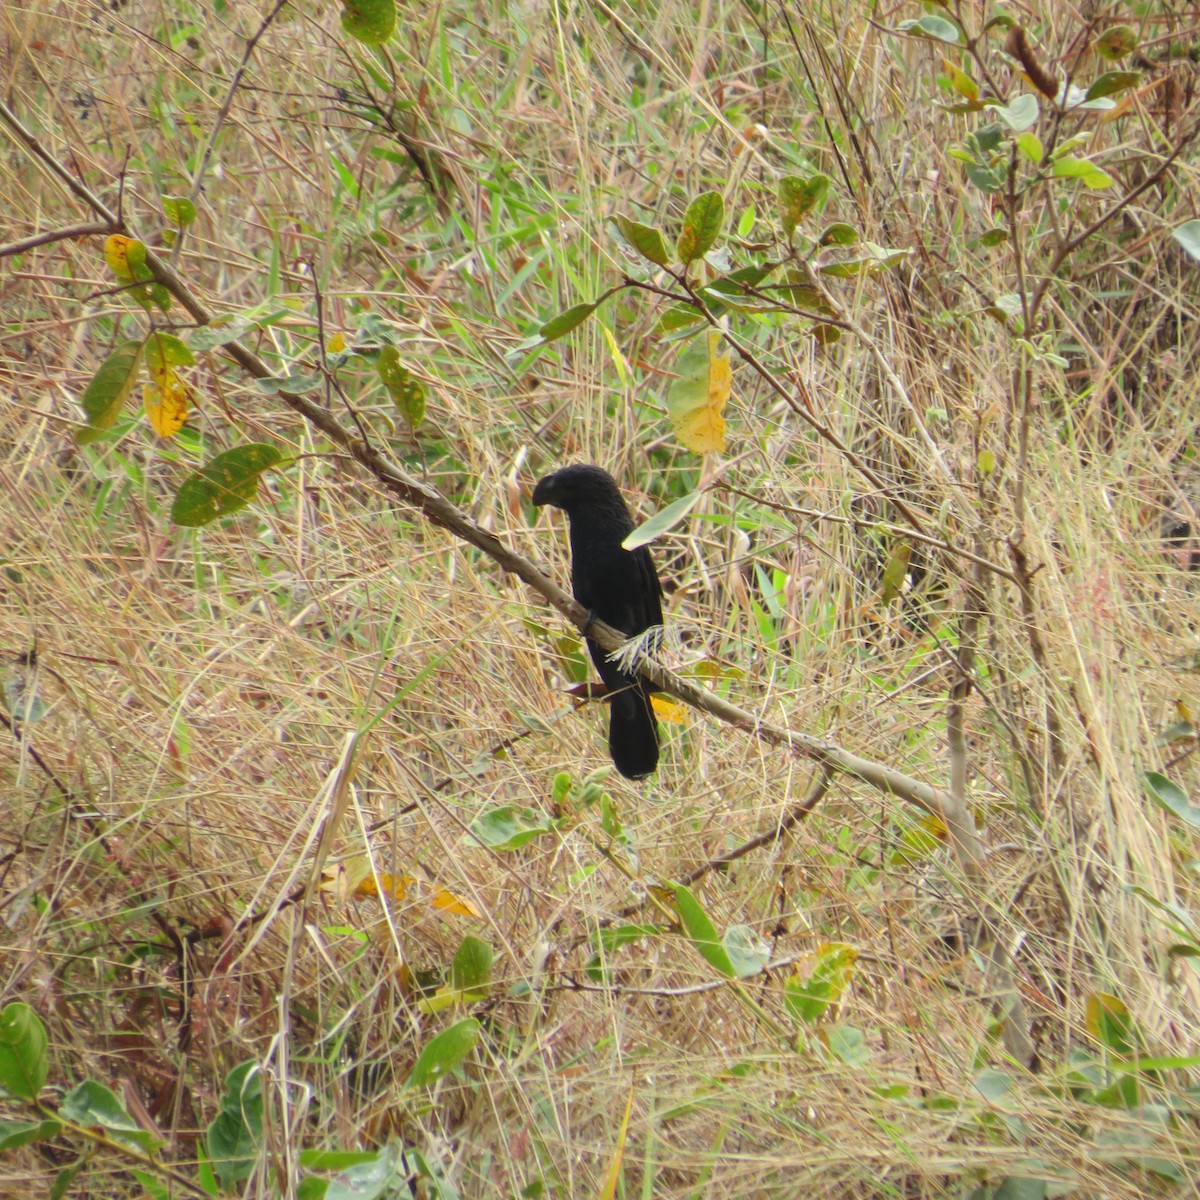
167	398
447	902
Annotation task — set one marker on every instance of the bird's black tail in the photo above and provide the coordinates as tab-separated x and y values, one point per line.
633	731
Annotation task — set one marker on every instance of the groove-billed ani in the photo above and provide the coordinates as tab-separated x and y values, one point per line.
619	587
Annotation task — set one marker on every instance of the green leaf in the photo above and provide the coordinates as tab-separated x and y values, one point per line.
231	326
15	1134
1116	42
444	1052
91	1104
163	351
938	29
848	1044
1188	236
1111	1024
369	21
664	519
679	316
561	325
838	234
796	198
646	240
608	941
509	828
233	1138
179	210
405	389
987	179
747	952
1090	175
1112	82
107	391
472	965
1171	797
702	933
701	227
153	1187
873	258
223	485
1031	146
960	81
64	1179
1018	114
990	138
23	1064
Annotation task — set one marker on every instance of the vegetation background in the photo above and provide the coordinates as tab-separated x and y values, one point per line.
952	531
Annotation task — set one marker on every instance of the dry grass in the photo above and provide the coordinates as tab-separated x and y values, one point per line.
202	689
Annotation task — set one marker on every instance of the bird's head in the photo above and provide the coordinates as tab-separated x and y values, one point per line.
577	485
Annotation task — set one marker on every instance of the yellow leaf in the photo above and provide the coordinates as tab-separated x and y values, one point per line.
670	711
448	902
122	254
394	886
166	399
337	343
696	399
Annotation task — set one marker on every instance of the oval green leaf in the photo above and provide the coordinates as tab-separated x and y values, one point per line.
472	965
1018	114
92	1104
561	325
1090	175
701	227
748	953
509	828
936	28
1116	42
164	351
1112	82
179	210
646	240
838	234
223	485
23	1064
108	389
444	1052
679	316
369	21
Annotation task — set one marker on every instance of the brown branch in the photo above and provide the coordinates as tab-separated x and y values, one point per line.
54	235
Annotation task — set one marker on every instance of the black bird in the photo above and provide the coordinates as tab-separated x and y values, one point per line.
619	587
